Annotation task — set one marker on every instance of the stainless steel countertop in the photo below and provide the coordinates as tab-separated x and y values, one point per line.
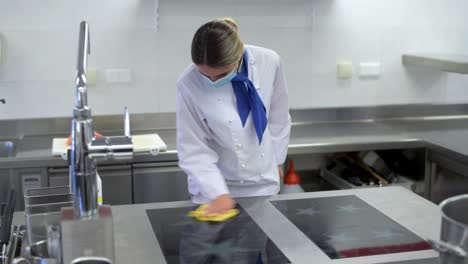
135	241
449	135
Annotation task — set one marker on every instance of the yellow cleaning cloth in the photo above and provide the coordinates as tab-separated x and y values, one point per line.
200	215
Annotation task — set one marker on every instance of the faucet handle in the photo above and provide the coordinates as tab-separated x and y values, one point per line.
126	122
117	147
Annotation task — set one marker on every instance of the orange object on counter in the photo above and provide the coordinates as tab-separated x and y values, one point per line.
292	178
69	140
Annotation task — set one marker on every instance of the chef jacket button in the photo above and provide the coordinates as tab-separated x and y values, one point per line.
243	165
230	121
263	155
238	146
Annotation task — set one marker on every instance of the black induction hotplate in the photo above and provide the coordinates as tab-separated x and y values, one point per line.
185	240
346	226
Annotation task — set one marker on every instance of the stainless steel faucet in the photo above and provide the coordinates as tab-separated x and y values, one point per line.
85	148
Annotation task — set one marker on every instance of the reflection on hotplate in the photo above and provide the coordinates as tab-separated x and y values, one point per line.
346	226
185	240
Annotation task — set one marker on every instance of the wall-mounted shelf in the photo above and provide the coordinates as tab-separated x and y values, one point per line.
443	62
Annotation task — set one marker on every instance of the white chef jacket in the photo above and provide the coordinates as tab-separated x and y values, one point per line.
215	151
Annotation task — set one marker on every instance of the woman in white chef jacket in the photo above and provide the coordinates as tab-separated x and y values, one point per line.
233	121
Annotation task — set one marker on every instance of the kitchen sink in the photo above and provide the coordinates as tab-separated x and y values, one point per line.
7	149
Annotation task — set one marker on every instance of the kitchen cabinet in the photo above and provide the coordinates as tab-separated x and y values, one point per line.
116	182
448	176
58	177
4	184
25	179
159	182
330	171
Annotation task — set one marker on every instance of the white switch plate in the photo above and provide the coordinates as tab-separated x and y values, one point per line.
369	69
118	75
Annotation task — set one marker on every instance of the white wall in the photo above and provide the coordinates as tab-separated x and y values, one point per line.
39	50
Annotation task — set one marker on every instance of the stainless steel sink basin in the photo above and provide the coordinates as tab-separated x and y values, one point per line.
7	149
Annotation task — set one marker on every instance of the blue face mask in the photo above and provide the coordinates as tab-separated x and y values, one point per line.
222	81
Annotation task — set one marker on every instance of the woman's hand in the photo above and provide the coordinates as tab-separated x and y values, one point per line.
281	172
220	205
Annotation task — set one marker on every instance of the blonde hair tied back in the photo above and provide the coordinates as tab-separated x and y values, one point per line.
230	21
217	43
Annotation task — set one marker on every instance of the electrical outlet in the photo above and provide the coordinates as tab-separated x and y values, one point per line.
345	70
91	76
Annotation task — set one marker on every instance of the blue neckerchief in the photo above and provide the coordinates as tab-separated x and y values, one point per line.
248	100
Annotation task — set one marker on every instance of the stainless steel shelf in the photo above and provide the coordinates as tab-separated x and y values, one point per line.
442	62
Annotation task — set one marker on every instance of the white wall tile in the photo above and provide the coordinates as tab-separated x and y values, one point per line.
39	50
457	88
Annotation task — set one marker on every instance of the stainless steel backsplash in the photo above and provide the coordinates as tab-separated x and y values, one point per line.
158	121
